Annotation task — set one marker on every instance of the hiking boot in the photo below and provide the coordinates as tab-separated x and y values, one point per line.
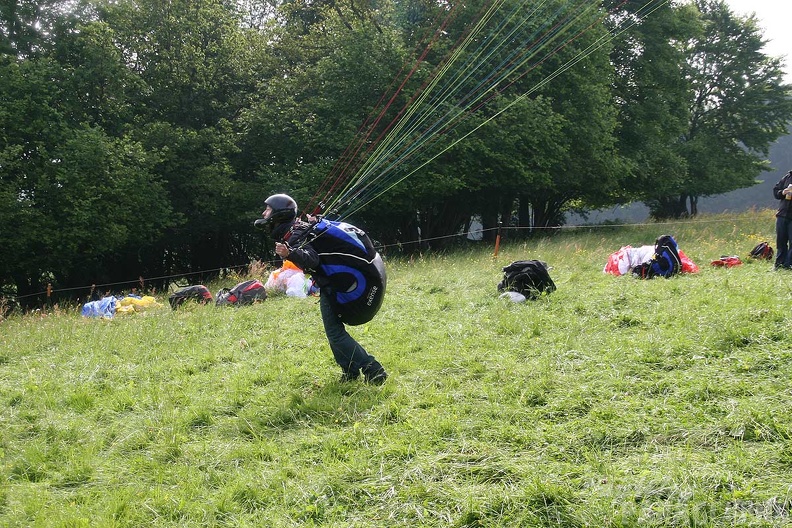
374	374
348	377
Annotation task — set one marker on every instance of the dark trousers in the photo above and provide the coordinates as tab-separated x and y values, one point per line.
784	242
348	353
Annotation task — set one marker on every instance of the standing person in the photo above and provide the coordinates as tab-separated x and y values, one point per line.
348	271
783	191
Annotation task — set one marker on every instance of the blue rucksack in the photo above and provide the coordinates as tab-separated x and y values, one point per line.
664	263
353	267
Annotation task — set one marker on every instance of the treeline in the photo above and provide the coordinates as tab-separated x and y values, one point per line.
139	138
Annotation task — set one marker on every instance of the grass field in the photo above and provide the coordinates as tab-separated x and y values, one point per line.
612	402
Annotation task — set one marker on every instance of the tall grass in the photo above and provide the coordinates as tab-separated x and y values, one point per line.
611	402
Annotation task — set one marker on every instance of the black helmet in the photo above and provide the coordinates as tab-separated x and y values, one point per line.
284	209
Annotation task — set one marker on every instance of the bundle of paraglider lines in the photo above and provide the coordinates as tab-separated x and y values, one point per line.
507	41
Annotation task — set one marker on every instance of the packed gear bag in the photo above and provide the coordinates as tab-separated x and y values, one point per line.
198	293
763	251
664	263
289	279
527	277
355	270
243	293
727	261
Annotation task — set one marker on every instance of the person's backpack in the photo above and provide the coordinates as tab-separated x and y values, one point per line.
762	250
198	292
353	267
664	263
527	277
243	293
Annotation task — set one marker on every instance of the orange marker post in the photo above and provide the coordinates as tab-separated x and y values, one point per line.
497	240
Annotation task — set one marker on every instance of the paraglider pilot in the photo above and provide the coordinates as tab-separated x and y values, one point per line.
349	272
783	191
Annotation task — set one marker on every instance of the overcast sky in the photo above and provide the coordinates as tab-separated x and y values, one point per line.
775	19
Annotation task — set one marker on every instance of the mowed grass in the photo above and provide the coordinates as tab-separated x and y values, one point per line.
611	402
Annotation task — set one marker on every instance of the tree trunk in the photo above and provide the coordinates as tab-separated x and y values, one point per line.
693	205
524	216
489	224
547	213
669	208
505	214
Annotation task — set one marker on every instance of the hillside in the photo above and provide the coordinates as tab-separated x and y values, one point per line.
611	402
759	196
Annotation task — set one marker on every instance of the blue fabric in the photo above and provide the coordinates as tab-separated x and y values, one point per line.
359	282
104	307
340	230
666	259
663	264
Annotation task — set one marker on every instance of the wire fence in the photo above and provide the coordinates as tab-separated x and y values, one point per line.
471	234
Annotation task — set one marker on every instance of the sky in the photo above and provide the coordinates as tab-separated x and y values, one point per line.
774	18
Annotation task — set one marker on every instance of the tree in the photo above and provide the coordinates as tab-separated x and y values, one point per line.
591	171
738	107
199	68
72	197
651	92
566	155
557	150
195	59
509	160
30	27
336	62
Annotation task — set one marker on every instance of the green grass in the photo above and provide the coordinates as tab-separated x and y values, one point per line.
611	402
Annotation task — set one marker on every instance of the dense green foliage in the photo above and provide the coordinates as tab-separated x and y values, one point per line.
139	137
611	402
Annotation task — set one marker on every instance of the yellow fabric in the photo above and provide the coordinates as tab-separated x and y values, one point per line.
133	304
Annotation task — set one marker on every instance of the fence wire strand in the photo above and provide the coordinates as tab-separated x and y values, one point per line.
466	234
